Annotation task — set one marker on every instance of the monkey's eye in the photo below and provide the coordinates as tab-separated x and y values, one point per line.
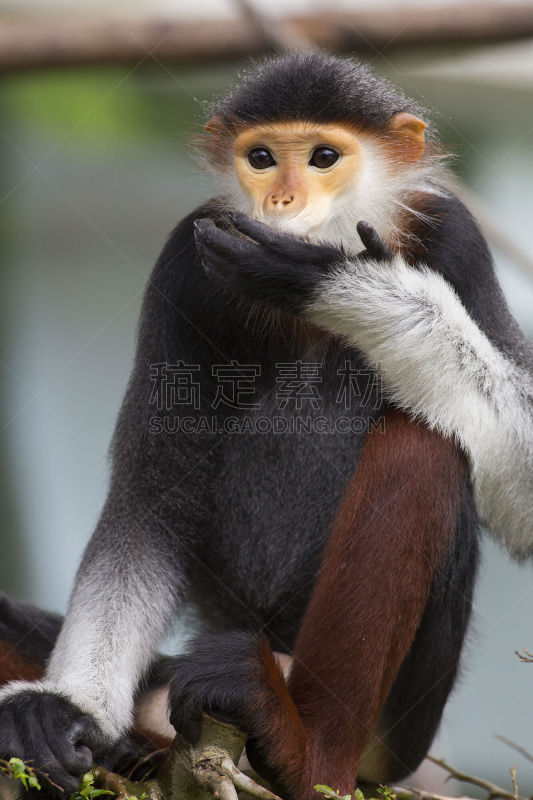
261	158
323	157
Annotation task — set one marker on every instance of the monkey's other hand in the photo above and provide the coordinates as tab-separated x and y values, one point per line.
375	249
51	733
221	677
275	267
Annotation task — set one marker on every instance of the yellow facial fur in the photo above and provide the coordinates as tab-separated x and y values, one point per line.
292	187
373	178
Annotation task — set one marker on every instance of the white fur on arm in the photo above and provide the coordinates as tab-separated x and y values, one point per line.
121	607
119	612
439	366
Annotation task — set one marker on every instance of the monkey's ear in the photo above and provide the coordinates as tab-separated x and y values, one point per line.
410	130
215	125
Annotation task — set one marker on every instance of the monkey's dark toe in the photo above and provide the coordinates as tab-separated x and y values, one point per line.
217	678
52	734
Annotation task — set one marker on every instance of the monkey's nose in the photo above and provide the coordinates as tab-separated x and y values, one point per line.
281	199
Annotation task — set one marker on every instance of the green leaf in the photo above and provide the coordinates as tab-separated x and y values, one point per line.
386	793
18	767
327	791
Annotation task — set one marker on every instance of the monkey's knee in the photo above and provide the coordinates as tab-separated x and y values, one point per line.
27	636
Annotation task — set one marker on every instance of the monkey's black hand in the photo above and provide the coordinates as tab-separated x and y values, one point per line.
219	677
51	733
375	249
279	268
275	267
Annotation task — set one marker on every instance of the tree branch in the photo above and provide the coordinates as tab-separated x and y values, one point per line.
514	746
44	39
207	769
493	790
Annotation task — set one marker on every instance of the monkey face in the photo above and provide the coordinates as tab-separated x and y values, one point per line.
294	172
317	179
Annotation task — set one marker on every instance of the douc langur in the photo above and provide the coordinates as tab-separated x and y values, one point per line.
335	239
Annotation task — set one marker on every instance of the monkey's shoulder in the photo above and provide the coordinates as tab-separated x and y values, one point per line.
446	236
178	289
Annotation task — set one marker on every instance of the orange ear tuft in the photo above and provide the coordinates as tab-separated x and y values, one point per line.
215	125
411	130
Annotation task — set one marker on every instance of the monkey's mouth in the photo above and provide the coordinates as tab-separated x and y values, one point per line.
303	223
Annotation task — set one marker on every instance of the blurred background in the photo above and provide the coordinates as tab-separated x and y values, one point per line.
98	103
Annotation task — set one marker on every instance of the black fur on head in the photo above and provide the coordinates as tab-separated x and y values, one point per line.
312	86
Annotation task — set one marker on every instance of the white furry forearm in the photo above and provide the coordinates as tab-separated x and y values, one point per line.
114	623
437	364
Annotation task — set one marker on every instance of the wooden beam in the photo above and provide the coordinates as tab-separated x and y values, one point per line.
37	40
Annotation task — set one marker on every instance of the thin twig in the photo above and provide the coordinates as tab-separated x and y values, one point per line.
514	746
410	793
527	658
512	771
123	787
6	769
245	784
145	759
47	777
492	788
